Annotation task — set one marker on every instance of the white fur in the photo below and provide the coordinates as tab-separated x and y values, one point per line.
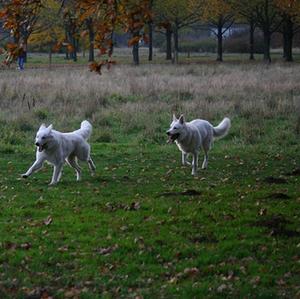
56	148
193	136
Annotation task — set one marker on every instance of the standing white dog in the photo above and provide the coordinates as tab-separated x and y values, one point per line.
56	148
190	137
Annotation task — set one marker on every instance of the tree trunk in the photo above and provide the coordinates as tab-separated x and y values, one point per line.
50	57
169	44
71	39
111	46
75	48
67	39
25	50
220	42
251	39
24	40
135	52
91	39
284	46
288	39
176	44
150	56
267	45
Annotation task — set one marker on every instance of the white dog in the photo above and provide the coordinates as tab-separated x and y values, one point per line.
193	136
56	148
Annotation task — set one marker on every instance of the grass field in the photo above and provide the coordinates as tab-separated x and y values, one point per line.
143	227
124	56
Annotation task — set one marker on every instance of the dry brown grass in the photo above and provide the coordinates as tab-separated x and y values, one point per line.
141	99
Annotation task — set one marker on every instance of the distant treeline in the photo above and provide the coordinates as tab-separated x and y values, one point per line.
174	26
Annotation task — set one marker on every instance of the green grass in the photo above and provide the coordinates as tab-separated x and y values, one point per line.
143	227
151	237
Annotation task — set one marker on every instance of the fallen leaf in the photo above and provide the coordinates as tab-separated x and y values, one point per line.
191	271
221	288
107	250
134	206
72	293
262	212
25	246
48	220
63	248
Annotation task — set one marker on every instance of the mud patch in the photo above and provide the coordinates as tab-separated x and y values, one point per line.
274	180
190	192
204	239
276	226
278	196
295	172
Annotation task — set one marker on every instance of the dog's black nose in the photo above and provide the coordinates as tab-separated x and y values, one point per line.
168	133
37	144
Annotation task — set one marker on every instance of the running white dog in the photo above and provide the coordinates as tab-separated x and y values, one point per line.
56	148
190	137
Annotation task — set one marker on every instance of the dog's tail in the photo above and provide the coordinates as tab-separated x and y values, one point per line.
222	129
85	129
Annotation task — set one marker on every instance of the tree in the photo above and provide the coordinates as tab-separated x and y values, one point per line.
244	12
108	15
220	17
290	12
173	15
268	20
49	28
72	27
91	33
134	15
19	17
150	32
103	16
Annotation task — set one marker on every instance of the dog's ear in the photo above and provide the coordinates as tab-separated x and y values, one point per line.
42	126
181	119
50	127
174	117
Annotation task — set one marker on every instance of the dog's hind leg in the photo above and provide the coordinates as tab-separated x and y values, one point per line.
92	166
59	176
206	148
195	163
56	174
205	161
73	163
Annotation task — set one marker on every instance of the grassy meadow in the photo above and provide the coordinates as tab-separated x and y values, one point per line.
143	227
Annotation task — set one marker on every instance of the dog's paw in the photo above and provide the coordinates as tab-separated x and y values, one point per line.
52	184
24	175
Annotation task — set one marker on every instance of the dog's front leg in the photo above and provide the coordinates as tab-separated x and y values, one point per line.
56	174
195	164
184	159
37	165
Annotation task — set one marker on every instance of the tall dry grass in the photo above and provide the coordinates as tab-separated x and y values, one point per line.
140	100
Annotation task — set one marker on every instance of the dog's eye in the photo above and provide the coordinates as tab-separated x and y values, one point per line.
43	137
175	128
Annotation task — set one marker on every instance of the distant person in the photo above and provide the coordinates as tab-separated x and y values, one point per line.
21	56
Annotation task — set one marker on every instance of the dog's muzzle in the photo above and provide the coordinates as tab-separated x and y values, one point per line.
172	137
41	147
